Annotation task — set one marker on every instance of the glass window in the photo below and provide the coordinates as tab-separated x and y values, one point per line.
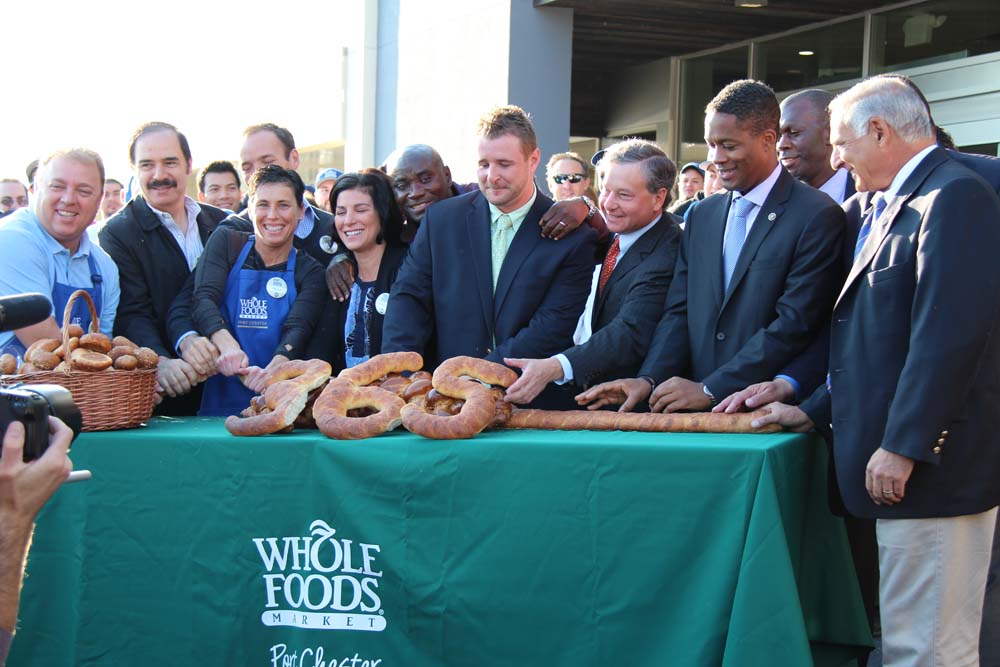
934	32
701	79
815	57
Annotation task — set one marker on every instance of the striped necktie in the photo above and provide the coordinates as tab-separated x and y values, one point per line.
866	227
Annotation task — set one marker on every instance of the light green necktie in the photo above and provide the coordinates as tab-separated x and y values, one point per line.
500	243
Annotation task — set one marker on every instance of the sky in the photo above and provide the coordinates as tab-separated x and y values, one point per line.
88	73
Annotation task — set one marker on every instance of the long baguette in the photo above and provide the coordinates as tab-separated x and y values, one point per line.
602	420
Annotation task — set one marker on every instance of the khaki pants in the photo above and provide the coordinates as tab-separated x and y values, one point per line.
933	576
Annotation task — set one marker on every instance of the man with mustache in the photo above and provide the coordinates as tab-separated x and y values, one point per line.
156	240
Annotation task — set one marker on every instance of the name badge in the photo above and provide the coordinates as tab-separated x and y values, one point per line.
327	244
382	303
277	287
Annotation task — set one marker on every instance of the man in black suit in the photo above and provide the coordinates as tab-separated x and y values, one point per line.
628	289
480	279
756	275
156	240
914	373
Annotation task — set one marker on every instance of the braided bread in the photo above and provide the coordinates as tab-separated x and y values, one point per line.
285	395
330	411
479	408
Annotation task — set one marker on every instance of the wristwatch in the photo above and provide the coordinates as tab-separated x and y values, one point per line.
591	206
711	396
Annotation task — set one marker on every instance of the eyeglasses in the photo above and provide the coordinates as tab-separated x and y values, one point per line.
572	178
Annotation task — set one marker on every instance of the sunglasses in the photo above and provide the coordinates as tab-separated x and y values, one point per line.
572	178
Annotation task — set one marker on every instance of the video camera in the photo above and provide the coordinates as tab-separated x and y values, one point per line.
32	404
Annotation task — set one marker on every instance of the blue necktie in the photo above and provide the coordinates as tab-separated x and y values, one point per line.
736	235
866	227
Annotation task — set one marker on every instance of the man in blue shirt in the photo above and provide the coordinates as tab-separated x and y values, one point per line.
46	249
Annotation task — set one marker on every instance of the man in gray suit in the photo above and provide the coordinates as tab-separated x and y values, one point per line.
628	288
915	374
756	275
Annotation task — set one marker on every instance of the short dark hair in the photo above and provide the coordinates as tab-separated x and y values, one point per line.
752	102
115	181
272	173
217	167
508	119
379	187
660	171
284	136
157	126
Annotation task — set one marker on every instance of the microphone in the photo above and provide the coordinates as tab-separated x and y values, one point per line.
23	310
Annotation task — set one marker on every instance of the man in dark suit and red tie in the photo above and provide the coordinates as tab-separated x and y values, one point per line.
628	288
757	272
479	279
915	373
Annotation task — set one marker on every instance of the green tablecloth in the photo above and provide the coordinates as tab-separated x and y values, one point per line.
190	546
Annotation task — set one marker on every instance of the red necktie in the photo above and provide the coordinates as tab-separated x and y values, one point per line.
609	266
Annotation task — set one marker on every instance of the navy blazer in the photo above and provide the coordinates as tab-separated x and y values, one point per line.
914	349
627	311
442	303
780	295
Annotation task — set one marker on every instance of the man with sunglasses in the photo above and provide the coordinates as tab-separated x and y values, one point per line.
567	176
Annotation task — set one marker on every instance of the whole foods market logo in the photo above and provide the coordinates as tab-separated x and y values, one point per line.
253	309
320	582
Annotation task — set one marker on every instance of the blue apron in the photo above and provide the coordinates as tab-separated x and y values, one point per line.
255	319
60	297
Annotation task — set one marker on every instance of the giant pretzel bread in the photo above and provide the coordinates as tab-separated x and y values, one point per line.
286	392
603	420
348	392
479	407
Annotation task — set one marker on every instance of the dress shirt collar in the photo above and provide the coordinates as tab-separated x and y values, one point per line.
758	195
307	222
56	248
190	206
836	185
904	173
626	239
516	216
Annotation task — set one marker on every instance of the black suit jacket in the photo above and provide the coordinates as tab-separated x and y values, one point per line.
627	311
914	351
810	368
444	292
781	292
152	269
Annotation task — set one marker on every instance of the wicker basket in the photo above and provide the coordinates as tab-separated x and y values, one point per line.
110	399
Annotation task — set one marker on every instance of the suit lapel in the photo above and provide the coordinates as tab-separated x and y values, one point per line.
525	240
477	224
885	221
768	215
633	258
712	223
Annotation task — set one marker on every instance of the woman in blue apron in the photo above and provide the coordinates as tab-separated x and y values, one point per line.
255	297
369	223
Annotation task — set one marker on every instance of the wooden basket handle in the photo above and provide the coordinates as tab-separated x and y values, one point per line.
68	313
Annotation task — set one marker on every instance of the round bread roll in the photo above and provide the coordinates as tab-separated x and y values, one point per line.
88	360
26	368
47	344
147	358
122	341
75	331
43	360
63	367
96	342
126	362
73	344
8	364
121	351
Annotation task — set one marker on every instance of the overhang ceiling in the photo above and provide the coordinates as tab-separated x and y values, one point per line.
610	35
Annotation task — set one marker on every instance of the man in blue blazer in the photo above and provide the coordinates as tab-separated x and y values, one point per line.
479	279
914	373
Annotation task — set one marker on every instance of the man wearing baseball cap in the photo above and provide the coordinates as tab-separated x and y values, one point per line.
689	183
325	181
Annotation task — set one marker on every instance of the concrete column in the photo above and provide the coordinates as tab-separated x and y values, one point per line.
362	60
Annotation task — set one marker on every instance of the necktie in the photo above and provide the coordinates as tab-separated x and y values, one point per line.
500	243
609	265
736	235
866	227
